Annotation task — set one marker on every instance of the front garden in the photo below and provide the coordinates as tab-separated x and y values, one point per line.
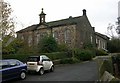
62	54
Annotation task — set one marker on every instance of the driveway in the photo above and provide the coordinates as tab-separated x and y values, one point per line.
85	71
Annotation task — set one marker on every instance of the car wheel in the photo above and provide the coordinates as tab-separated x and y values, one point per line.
52	69
22	75
41	71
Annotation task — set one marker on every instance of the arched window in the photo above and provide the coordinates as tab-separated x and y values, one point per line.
55	35
67	36
30	40
91	39
37	38
22	38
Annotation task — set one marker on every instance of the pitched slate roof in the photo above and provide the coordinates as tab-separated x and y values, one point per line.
29	28
101	35
70	20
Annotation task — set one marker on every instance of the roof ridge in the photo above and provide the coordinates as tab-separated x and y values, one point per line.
65	19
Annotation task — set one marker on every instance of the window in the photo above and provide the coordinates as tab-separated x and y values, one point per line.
14	63
104	46
44	58
22	37
33	59
55	35
37	38
42	19
96	41
3	64
41	35
99	44
67	36
91	38
30	40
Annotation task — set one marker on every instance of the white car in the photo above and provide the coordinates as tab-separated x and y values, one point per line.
39	64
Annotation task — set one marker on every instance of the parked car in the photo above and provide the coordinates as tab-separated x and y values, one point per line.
12	68
39	64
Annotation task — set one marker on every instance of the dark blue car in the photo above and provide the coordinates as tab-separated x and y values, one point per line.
11	68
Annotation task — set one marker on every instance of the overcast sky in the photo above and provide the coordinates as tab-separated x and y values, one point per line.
100	12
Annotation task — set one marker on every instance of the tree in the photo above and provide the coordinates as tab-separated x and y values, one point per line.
112	31
6	21
47	44
114	45
13	47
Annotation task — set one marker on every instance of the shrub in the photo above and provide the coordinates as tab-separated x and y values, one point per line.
27	50
100	52
88	46
21	57
57	55
12	47
69	61
114	45
62	47
47	44
66	61
84	54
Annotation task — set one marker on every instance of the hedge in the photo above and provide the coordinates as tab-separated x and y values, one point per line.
69	60
23	57
57	55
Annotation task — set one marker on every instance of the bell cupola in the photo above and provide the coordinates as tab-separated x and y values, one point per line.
42	17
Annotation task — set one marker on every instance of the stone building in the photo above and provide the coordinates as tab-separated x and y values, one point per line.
101	41
73	31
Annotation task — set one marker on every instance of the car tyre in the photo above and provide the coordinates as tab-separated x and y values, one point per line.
52	69
22	75
41	71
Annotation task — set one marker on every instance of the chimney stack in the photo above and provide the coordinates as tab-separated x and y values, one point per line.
84	12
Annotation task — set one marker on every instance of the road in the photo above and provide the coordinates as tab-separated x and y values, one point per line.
85	71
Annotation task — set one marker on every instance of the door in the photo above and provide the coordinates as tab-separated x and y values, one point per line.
14	69
46	62
4	70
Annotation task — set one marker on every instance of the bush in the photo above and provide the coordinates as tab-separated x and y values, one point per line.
66	61
69	61
57	55
27	50
84	55
62	47
12	47
47	44
100	52
114	45
21	57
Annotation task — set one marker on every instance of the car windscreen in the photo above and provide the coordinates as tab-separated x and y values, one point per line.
33	59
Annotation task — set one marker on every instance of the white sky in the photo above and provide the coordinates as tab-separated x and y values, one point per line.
100	12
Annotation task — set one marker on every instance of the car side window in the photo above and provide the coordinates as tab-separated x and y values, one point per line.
4	64
13	63
44	58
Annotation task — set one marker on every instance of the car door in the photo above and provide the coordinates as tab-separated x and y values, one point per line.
14	69
46	62
4	70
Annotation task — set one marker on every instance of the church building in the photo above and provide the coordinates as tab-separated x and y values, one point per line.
75	32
